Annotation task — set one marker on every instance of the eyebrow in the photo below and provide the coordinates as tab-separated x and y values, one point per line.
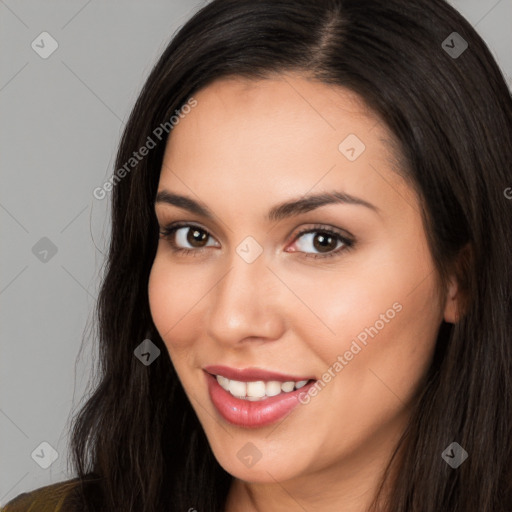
276	213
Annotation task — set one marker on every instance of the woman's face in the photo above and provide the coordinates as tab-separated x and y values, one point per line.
353	305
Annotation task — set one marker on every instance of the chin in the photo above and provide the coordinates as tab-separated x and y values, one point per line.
259	461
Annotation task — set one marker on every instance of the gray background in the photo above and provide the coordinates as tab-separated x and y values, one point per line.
61	119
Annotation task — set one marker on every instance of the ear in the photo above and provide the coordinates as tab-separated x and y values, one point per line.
457	289
452	302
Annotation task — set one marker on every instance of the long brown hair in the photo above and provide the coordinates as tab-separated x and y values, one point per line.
137	435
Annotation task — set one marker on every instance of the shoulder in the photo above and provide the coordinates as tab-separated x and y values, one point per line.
59	497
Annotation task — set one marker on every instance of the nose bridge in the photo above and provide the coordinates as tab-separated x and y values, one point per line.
244	303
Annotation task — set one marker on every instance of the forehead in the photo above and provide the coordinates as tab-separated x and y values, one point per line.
283	133
281	107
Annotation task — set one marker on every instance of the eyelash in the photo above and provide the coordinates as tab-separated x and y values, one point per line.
168	231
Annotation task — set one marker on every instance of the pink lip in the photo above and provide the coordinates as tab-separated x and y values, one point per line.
244	413
252	374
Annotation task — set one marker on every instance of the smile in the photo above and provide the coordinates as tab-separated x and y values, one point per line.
253	398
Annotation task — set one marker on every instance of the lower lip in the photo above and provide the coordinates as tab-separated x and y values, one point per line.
245	413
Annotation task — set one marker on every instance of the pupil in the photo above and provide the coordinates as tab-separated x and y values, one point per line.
196	236
324	242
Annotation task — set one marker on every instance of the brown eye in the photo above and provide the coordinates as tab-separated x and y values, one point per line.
322	242
196	237
186	237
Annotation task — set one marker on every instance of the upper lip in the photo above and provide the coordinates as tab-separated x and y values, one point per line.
252	374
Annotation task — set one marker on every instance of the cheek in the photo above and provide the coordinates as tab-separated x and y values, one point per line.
173	300
364	301
392	331
161	300
382	310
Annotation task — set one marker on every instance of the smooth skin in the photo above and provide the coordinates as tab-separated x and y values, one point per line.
247	146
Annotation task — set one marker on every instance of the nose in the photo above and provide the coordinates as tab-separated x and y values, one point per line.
247	304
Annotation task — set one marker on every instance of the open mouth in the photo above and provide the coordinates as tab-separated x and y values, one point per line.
254	403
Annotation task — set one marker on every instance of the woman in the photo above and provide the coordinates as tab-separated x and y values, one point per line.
307	299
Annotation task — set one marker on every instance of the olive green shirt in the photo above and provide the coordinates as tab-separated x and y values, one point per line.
59	497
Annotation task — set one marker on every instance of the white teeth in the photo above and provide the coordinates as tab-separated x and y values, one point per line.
273	388
237	388
287	386
224	383
258	390
300	384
